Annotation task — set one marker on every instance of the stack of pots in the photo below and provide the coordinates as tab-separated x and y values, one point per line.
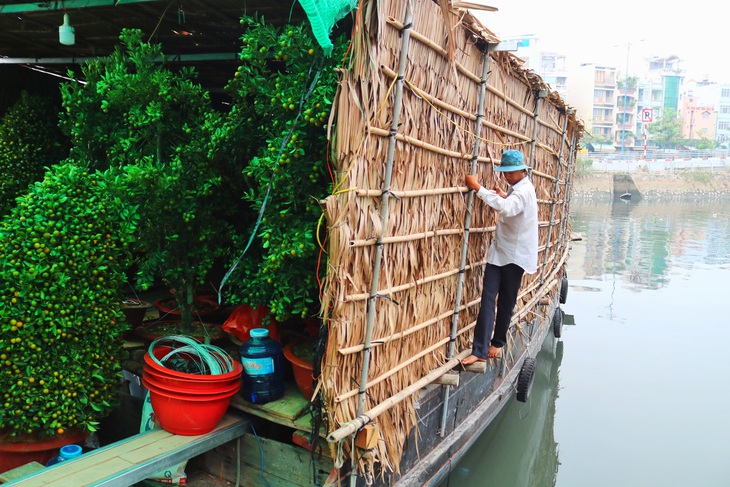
189	403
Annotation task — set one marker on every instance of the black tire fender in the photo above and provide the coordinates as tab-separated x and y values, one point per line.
558	316
526	378
563	290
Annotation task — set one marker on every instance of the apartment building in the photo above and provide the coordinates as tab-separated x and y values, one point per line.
592	90
661	86
551	66
715	98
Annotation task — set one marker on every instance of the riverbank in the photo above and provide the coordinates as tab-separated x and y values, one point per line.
693	186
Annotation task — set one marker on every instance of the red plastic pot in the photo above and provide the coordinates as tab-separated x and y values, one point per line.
160	352
18	452
301	368
185	414
192	386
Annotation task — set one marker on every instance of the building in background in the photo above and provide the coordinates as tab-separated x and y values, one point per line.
551	66
627	124
553	70
698	122
722	135
609	102
697	102
711	95
659	89
592	90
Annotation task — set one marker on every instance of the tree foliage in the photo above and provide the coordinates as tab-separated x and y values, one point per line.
282	97
667	131
30	142
62	253
161	128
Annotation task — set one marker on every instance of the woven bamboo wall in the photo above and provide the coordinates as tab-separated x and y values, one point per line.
423	232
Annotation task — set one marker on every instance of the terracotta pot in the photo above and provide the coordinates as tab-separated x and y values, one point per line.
19	452
135	310
302	368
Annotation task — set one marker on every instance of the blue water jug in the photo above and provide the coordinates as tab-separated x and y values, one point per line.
65	453
263	376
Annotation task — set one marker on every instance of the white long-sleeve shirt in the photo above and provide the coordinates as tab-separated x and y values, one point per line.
515	241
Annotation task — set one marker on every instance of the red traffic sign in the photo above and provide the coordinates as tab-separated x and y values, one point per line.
647	115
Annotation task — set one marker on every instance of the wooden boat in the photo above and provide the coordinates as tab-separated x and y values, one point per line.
428	97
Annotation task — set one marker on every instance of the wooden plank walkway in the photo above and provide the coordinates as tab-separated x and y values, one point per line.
284	411
133	459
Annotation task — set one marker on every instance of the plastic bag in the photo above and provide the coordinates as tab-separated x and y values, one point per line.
175	475
245	318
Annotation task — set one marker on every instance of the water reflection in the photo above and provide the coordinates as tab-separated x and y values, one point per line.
638	398
644	241
520	443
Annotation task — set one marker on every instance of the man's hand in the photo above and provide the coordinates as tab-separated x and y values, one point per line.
500	191
473	183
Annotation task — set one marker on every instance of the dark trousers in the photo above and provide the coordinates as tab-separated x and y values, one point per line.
501	283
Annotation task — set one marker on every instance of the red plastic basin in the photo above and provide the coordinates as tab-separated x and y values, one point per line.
160	352
192	386
187	415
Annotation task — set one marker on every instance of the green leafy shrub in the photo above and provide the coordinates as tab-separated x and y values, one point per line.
282	95
697	175
161	127
30	141
583	166
62	251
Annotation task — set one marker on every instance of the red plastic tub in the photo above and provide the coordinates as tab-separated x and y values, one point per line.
159	369
185	414
194	387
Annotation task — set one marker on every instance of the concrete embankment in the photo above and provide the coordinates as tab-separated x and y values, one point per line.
701	186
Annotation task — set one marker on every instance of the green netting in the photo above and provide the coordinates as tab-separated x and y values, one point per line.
323	14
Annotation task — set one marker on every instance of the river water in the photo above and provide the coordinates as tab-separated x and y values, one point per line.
636	393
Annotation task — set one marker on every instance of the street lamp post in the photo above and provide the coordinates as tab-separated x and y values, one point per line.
626	93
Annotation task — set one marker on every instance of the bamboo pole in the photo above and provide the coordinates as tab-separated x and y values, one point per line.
357	423
410	285
452	109
423	145
393	370
554	205
362	419
448	380
463	70
406	31
433	100
467	225
376	193
568	185
426	41
402	334
418	236
543	175
356	348
535	117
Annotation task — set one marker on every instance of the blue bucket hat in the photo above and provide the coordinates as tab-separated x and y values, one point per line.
512	160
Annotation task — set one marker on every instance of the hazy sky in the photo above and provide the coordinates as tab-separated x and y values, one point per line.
589	31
